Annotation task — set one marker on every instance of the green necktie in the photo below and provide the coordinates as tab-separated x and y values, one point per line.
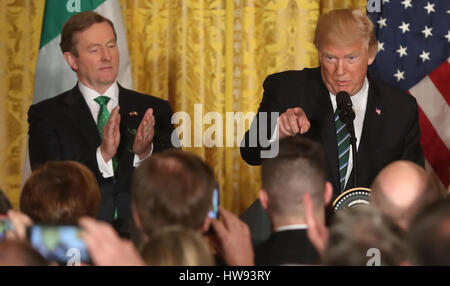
102	119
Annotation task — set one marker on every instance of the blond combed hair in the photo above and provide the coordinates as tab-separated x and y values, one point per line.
345	27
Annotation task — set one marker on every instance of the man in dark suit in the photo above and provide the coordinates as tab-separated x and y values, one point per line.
386	122
87	125
298	170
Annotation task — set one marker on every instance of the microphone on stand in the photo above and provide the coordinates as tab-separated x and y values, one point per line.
347	115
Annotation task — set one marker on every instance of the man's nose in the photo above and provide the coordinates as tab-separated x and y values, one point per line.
106	54
340	68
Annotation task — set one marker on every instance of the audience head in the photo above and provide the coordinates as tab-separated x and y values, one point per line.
401	191
172	187
60	192
429	235
177	246
18	253
5	204
356	232
298	169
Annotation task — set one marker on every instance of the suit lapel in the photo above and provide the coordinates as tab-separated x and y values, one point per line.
327	131
81	117
128	126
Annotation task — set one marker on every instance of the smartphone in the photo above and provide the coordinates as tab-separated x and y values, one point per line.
214	212
5	226
60	243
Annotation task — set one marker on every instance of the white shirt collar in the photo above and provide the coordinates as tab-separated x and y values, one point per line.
291	227
89	94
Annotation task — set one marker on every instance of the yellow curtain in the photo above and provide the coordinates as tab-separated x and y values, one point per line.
20	32
212	53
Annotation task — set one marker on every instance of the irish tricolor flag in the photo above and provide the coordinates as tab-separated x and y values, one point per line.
53	74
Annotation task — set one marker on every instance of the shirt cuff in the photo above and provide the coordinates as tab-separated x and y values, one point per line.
137	162
106	169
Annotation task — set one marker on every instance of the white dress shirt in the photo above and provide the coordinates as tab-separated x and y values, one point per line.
359	101
106	168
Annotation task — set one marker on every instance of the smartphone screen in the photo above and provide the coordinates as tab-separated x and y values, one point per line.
5	225
58	243
214	212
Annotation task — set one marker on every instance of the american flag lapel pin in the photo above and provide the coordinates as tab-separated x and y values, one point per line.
378	111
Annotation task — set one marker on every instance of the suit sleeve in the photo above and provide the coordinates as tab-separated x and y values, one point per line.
43	143
251	144
164	129
413	150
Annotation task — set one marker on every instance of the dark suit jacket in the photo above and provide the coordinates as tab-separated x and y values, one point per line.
62	128
286	247
392	135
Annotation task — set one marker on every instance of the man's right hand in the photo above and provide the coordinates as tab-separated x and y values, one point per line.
111	135
292	121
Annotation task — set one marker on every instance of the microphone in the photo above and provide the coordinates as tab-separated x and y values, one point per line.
347	115
344	106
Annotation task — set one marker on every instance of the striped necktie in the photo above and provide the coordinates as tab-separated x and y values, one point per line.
343	139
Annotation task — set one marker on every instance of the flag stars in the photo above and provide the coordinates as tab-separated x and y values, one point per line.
406	3
385	1
425	56
404	27
448	36
429	8
382	22
399	75
380	46
402	51
427	31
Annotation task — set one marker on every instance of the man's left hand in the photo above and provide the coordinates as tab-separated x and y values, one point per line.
144	135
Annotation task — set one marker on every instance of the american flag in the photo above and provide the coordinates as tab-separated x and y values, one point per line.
413	53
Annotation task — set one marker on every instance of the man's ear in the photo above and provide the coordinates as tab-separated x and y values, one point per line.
264	199
136	218
70	59
328	193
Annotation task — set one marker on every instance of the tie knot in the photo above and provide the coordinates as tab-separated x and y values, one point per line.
102	100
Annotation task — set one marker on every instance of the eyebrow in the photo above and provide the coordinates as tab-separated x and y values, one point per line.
99	45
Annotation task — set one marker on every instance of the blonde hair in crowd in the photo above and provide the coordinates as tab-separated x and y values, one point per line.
177	246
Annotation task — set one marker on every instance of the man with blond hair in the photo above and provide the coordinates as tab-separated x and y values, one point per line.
386	118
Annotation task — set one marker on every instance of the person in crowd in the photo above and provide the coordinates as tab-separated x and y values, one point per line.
363	236
19	253
177	246
401	190
298	169
429	235
175	188
60	192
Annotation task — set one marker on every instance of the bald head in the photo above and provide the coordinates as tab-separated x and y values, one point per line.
401	190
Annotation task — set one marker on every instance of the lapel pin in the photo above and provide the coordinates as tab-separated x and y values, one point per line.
133	113
378	111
